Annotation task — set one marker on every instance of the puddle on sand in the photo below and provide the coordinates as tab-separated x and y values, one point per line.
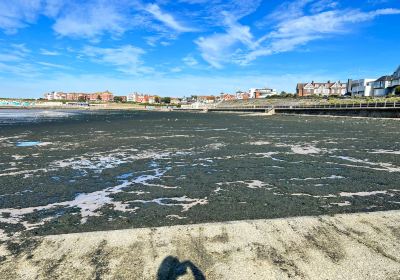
27	143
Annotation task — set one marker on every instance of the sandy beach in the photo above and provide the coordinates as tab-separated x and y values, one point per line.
346	246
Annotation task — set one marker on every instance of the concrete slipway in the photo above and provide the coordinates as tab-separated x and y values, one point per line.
350	246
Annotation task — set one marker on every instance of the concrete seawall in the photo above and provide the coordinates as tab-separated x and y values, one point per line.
353	112
359	112
350	246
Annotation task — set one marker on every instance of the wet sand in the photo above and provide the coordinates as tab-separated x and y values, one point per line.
346	246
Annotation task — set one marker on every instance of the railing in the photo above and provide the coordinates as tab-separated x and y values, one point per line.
378	105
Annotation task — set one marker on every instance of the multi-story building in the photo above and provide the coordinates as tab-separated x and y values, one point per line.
369	87
152	99
101	96
227	96
362	87
242	95
55	95
133	97
208	99
262	92
142	98
176	100
382	86
396	78
322	89
387	84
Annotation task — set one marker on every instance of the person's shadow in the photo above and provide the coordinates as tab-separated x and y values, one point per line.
171	268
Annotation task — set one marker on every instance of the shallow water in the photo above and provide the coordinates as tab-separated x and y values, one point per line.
111	170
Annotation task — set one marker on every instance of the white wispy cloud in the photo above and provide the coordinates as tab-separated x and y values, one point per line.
54	65
219	48
52	8
22	69
14	53
211	10
126	59
322	5
294	24
189	60
91	20
49	52
18	14
292	33
167	19
176	69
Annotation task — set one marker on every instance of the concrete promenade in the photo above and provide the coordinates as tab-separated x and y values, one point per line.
381	109
350	246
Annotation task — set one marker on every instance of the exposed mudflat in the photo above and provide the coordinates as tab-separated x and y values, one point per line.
78	171
347	246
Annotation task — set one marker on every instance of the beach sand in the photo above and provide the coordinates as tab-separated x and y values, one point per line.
346	246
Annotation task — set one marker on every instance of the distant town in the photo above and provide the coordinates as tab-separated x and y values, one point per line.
385	86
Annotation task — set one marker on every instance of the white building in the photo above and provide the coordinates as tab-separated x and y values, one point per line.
54	95
382	86
262	92
396	78
386	84
133	97
362	87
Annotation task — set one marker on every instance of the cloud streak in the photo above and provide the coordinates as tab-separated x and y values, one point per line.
126	59
295	23
167	19
292	33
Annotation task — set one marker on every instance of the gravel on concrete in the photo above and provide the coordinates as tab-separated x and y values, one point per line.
346	246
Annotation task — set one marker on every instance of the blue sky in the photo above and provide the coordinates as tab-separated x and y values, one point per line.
185	47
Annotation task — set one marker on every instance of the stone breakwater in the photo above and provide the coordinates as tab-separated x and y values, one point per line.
348	246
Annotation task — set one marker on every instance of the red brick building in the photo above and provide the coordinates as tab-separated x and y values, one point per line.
227	97
322	89
101	96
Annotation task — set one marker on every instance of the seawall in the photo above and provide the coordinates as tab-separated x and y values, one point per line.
357	112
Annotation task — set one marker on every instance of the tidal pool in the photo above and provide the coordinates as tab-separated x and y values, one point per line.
27	143
103	170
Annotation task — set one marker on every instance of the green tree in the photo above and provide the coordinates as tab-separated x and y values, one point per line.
397	90
166	100
98	97
157	99
81	99
117	99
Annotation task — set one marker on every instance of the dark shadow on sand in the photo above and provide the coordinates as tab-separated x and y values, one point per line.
171	268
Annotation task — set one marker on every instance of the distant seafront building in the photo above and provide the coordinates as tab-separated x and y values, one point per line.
362	87
387	84
227	97
206	99
142	98
262	92
383	86
241	95
323	89
98	96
